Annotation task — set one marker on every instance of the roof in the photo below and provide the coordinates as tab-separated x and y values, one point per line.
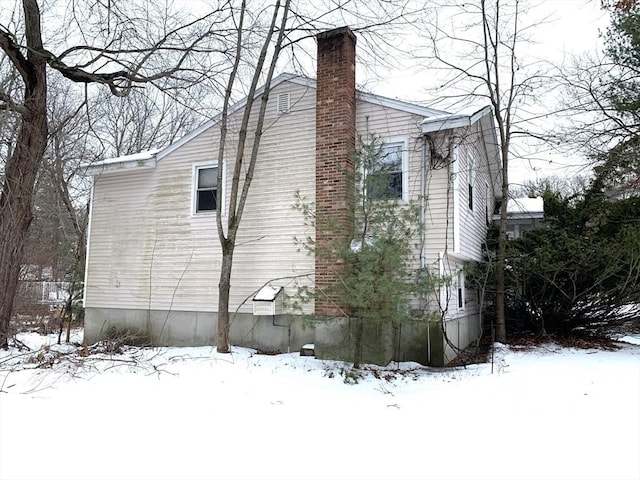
150	157
525	205
445	121
466	118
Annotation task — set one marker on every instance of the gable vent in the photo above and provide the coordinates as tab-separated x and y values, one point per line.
284	102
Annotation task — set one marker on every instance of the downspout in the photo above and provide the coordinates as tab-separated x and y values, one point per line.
423	203
423	200
288	327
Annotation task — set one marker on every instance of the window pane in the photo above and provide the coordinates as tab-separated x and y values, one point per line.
385	179
207	177
392	157
206	200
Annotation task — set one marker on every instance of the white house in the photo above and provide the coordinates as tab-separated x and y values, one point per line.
153	254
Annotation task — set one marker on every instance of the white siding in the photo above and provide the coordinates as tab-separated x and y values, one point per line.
473	223
148	251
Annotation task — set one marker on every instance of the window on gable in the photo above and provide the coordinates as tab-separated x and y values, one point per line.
206	191
385	180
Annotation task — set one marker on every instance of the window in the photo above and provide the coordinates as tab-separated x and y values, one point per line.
387	176
472	181
487	203
206	189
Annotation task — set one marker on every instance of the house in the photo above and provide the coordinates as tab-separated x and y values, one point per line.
153	253
523	214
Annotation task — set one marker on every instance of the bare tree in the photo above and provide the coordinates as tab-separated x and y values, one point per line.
120	44
159	119
489	66
238	193
285	24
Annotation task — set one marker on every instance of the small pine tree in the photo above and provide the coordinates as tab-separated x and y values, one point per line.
379	276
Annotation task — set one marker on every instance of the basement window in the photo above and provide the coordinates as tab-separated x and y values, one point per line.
205	179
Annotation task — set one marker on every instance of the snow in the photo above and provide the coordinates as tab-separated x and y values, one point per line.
133	157
630	339
268	293
190	413
525	205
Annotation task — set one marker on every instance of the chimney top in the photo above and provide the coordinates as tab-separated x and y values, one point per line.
337	32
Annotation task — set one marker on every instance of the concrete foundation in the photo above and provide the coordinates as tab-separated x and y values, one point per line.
161	328
334	339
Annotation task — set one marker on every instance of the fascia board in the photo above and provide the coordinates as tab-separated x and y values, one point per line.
121	164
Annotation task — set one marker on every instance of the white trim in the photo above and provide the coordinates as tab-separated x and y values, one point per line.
455	173
88	244
399	105
448	121
145	159
194	182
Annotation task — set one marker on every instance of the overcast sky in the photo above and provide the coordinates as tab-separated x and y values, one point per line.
572	27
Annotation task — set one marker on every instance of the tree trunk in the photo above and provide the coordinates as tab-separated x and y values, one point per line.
357	344
224	288
21	169
501	324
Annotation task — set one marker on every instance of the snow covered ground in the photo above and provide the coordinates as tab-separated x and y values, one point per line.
189	413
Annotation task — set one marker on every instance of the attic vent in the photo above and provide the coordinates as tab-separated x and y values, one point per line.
284	103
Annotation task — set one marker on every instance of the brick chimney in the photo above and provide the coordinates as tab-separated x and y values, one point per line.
335	147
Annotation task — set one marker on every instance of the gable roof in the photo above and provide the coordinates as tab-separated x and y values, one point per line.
149	158
311	83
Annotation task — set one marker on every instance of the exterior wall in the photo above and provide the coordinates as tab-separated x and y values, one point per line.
153	266
148	251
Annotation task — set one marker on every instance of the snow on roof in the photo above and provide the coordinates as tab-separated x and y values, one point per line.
134	157
267	293
525	205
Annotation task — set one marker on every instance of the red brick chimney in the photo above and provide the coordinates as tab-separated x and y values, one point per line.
335	147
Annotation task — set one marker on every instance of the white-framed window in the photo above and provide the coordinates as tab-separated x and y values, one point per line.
205	189
461	291
388	178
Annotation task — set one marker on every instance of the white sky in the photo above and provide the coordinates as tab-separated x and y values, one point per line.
572	27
